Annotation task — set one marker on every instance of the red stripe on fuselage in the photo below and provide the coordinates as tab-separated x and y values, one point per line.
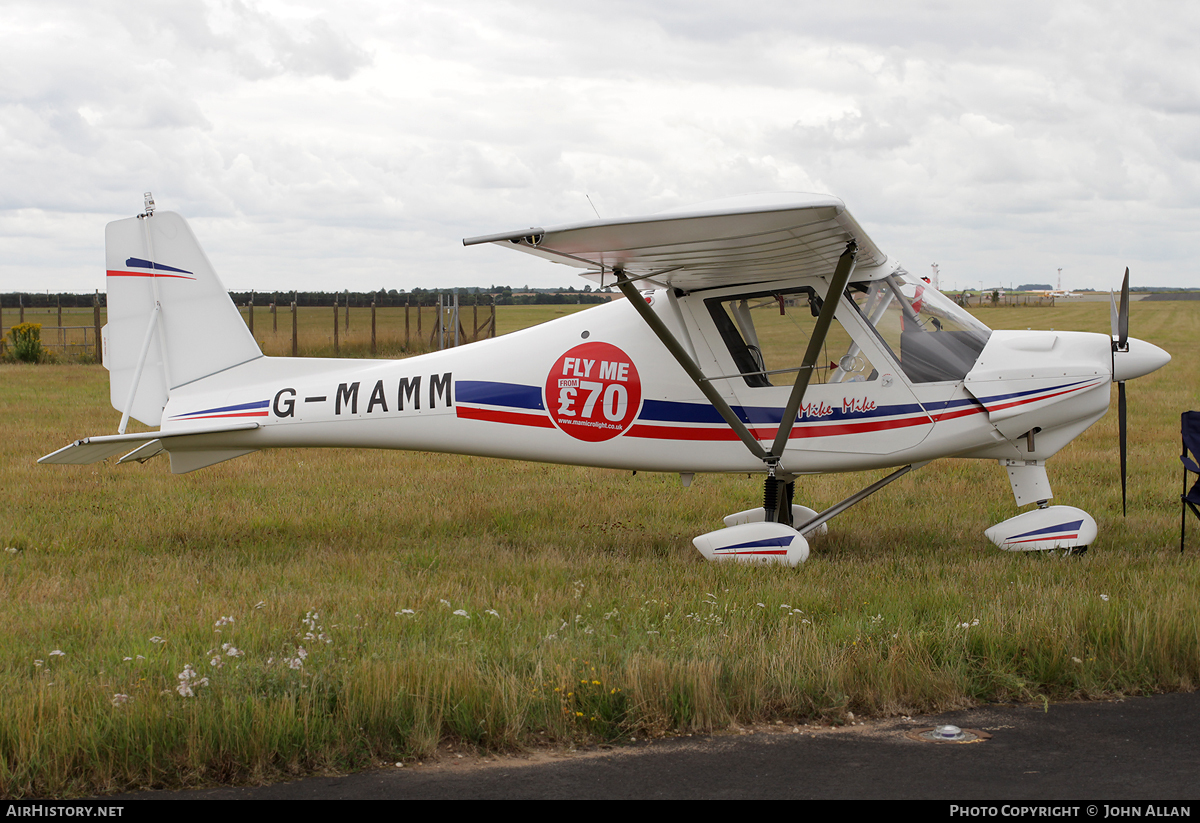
208	416
798	432
515	418
1039	399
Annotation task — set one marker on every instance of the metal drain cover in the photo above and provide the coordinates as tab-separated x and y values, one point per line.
948	734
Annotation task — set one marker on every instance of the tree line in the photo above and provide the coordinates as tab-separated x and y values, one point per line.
502	295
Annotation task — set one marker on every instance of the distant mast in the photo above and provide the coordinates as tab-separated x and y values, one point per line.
934	279
1060	279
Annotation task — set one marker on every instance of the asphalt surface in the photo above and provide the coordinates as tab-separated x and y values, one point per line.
1136	749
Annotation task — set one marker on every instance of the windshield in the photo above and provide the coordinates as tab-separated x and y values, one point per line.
932	338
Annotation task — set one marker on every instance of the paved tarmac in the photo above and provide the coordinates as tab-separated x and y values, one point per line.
1144	748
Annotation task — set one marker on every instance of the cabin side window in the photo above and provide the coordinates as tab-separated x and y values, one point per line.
767	334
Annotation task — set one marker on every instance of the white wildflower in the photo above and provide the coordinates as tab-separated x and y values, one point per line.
260	604
492	612
445	603
405	611
189	679
1104	597
157	639
120	699
462	613
58	653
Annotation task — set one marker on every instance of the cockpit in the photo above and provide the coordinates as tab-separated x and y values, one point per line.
929	337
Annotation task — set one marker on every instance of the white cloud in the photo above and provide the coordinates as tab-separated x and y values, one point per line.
307	139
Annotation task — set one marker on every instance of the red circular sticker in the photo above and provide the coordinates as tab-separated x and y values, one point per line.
593	392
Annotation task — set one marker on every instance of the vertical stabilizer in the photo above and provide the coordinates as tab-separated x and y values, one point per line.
154	260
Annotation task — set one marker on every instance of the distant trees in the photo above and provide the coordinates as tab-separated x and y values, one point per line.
504	296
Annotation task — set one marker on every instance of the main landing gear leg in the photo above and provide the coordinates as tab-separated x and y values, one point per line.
750	537
1046	527
777	500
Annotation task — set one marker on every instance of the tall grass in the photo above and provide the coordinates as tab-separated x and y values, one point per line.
445	600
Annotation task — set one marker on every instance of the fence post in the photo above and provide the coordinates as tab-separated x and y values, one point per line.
335	319
492	333
295	345
347	310
251	305
420	334
373	350
406	300
96	324
475	319
274	319
21	303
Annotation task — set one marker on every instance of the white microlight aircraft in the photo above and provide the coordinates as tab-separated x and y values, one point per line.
765	334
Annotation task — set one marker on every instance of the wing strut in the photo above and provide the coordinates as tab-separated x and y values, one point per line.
841	277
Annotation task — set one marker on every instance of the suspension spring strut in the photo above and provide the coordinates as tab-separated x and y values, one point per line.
771	498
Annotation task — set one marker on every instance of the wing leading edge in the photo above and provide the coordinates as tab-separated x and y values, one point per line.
749	239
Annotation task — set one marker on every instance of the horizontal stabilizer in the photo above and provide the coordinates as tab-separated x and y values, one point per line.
95	449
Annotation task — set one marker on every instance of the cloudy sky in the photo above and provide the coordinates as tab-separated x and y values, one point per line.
320	145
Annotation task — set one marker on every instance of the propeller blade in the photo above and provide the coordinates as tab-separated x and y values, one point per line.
1123	317
1122	432
1113	313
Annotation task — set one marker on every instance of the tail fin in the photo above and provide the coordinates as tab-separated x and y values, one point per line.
168	313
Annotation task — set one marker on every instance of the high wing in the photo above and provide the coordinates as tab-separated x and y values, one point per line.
749	239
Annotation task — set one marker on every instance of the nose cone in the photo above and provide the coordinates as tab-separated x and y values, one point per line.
1142	358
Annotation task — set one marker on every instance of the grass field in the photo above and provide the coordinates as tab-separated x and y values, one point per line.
351	609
